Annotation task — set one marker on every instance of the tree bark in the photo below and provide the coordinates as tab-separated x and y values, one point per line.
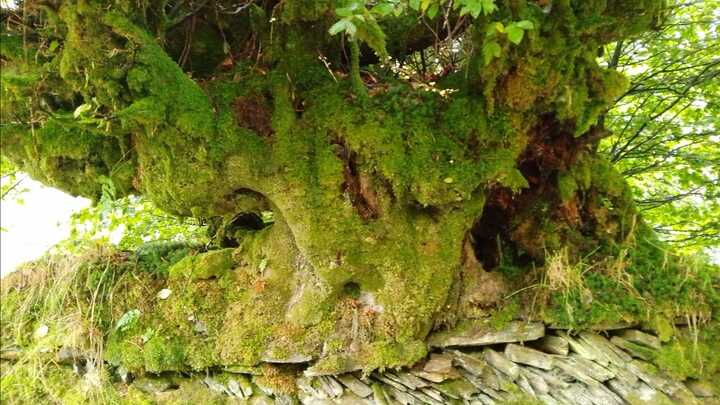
393	210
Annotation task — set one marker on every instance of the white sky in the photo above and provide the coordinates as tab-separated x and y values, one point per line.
35	226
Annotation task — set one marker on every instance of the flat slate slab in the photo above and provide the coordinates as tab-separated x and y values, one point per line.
528	356
482	333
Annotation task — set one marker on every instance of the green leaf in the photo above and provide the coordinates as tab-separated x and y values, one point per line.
525	24
488	6
491	50
127	320
515	34
344	12
350	10
383	9
415	5
472	7
82	109
432	11
344	25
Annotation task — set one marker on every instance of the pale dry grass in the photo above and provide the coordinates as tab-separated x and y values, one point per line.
50	304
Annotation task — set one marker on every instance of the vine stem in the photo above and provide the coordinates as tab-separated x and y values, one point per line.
357	83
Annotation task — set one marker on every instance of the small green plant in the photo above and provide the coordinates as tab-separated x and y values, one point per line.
515	32
127	320
359	24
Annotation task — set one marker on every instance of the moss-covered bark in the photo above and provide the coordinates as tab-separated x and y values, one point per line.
392	209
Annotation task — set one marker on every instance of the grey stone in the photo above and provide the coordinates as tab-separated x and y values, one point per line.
261	400
483	333
684	396
305	384
554	345
432	377
200	328
460	388
284	399
623	374
125	376
308	399
485	400
595	370
605	348
69	355
601	395
384	379
421	396
646	395
348	398
410	380
579	347
471	363
355	385
333	388
501	363
215	385
552	378
401	397
153	385
538	383
526	355
560	398
547	399
701	388
234	388
483	384
649	374
490	377
576	394
621	388
434	394
524	385
245	385
641	338
635	350
571	368
380	397
438	363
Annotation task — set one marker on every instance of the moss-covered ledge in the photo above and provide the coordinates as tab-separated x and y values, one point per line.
179	310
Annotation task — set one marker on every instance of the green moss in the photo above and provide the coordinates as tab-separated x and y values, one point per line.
393	354
566	187
372	199
689	356
518	397
163	354
509	311
203	266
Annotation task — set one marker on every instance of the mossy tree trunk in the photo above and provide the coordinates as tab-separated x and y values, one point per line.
395	205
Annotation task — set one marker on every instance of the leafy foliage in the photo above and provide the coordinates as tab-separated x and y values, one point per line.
10	180
665	127
130	222
359	24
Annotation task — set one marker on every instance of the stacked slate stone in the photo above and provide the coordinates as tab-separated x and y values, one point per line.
521	363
